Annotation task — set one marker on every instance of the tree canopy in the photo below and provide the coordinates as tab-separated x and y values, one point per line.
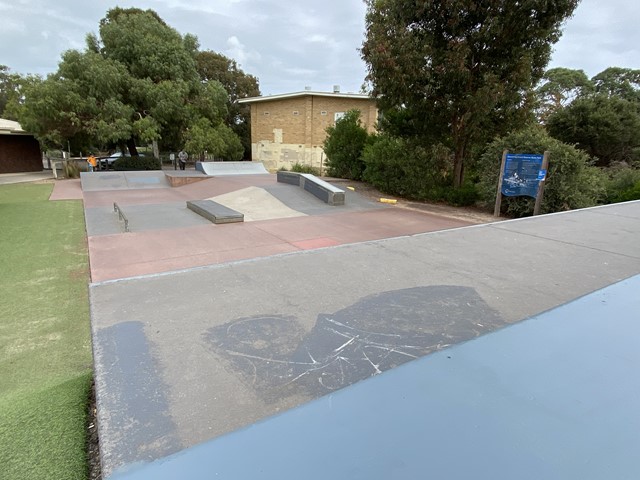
216	67
558	88
458	72
136	81
600	115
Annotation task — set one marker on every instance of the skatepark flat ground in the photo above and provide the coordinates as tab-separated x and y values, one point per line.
288	308
165	236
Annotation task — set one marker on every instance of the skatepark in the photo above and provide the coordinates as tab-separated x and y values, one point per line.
282	334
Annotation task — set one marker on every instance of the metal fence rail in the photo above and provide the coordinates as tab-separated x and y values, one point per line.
121	216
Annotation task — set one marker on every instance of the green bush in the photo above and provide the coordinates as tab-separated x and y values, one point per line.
572	181
137	163
623	184
344	145
301	168
399	167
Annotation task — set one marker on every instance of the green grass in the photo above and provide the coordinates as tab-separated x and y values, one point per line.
45	354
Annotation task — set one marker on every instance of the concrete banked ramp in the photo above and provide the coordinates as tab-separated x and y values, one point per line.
231	168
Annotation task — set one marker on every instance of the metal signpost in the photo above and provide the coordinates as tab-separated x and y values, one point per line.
522	174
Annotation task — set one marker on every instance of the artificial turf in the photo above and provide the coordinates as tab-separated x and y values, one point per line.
45	353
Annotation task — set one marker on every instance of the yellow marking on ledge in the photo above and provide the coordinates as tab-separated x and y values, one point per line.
392	201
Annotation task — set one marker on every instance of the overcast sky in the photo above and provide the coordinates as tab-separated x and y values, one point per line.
287	45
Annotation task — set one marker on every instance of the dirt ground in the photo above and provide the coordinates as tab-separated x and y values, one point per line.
468	214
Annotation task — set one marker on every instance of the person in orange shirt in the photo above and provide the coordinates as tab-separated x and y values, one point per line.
92	162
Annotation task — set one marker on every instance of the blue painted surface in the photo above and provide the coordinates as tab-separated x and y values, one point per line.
554	397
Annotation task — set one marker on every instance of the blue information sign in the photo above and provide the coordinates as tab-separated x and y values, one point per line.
522	175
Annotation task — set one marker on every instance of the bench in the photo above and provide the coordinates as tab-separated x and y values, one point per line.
215	212
326	192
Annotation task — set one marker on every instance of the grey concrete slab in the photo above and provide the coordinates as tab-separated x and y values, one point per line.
234	343
97	181
215	212
302	201
596	228
555	397
102	221
105	221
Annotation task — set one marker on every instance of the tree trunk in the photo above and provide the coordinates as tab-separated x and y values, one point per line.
156	150
458	165
131	145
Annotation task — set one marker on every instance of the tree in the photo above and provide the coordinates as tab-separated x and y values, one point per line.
560	87
459	71
214	66
607	128
344	145
618	82
9	91
137	81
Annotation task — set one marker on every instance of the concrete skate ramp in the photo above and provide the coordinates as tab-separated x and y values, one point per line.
256	204
97	181
216	169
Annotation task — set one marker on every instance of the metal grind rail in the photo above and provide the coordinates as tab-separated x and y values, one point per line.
121	216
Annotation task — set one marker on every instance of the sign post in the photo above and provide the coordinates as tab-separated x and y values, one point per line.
542	177
522	174
496	210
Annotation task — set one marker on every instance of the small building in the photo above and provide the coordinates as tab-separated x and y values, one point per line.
19	150
291	128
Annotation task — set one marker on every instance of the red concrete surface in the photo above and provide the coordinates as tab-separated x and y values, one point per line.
156	251
67	190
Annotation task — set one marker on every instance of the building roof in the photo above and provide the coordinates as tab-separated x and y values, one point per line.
356	96
9	127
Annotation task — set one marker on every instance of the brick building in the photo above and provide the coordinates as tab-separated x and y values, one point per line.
291	128
19	151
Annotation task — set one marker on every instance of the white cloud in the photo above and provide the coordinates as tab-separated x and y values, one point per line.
238	51
288	45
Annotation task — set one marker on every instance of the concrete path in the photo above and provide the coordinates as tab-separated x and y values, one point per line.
8	178
184	357
68	189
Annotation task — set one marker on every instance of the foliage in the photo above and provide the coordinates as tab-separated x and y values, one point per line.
70	169
9	92
216	67
607	128
458	72
302	168
204	139
623	184
572	182
135	82
618	82
344	145
45	352
559	87
137	163
400	167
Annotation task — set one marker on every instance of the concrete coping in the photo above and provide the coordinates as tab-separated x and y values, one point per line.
215	212
321	183
325	191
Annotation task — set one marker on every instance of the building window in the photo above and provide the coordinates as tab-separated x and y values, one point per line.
296	112
338	116
323	113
